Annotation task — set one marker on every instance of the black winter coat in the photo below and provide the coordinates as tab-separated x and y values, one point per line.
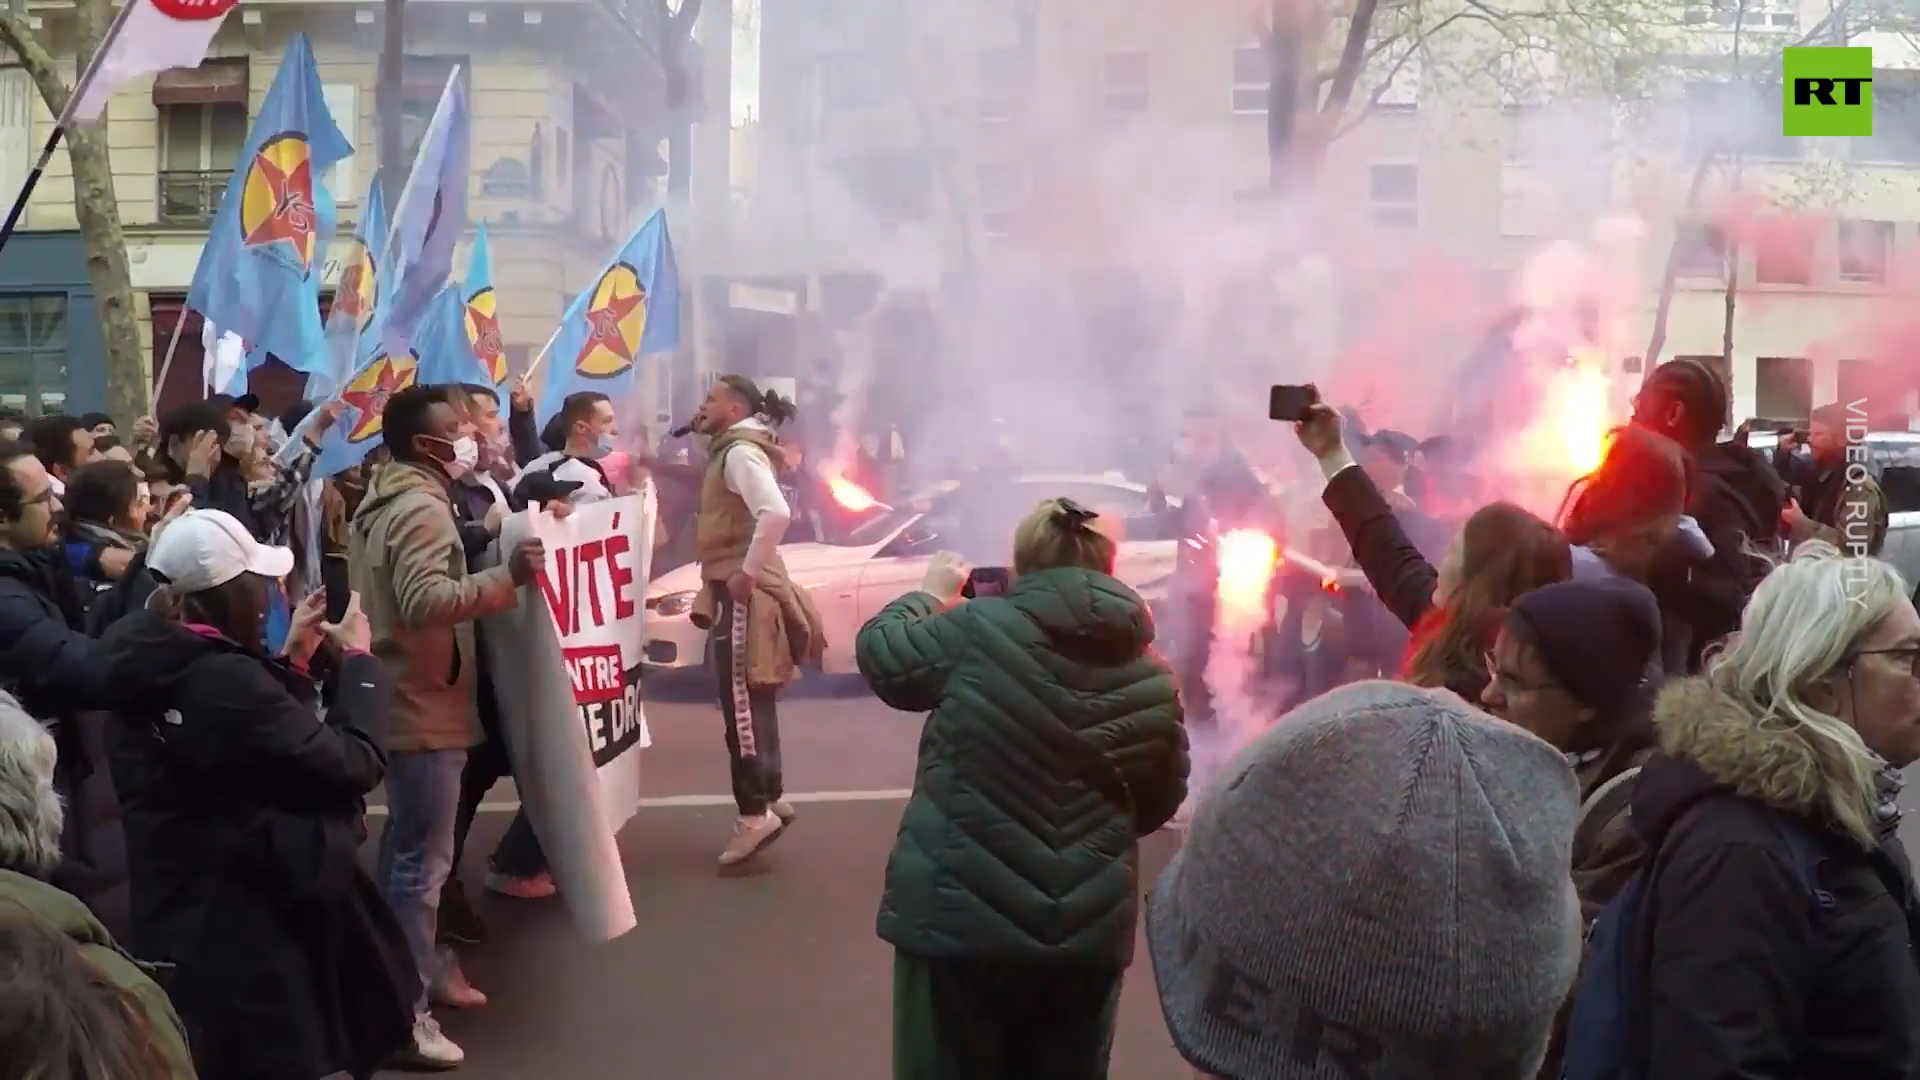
1402	577
58	674
1751	972
245	813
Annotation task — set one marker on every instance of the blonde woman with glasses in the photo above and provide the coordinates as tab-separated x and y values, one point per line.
1779	925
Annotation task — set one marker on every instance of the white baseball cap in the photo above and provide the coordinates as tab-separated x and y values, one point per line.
205	549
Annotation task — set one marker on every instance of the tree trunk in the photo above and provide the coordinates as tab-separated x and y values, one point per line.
1732	292
96	210
106	249
1670	274
388	91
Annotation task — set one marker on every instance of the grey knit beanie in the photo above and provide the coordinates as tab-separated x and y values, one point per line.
1379	887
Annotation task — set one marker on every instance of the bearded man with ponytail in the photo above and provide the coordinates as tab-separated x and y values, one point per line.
763	627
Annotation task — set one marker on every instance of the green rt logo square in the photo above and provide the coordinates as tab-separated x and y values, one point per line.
1827	92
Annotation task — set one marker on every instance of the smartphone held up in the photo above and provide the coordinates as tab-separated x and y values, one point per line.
986	581
1292	404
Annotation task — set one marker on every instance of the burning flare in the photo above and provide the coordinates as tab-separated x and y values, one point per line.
849	495
1247	560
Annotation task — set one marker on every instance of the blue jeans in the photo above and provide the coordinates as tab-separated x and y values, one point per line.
416	850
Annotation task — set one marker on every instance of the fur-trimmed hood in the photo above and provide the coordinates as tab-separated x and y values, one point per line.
1713	742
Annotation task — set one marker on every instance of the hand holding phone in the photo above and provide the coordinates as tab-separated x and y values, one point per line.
1291	404
986	581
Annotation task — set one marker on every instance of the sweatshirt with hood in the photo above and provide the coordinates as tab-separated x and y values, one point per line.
410	568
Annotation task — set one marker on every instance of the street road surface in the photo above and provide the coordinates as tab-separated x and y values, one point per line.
773	974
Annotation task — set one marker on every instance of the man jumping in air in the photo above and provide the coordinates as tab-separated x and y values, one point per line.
762	626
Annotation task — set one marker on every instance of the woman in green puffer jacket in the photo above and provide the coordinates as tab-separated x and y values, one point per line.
1054	742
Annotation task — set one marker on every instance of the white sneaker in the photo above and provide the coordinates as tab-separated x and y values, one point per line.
431	1048
783	810
532	887
750	834
450	986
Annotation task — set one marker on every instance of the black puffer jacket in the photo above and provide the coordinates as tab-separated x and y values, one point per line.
1753	970
245	814
1736	500
58	674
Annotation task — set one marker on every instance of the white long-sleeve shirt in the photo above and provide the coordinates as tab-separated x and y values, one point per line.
749	474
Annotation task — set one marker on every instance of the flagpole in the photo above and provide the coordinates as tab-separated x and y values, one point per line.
166	364
544	350
59	131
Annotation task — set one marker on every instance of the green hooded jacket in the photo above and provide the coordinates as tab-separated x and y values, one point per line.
1054	742
68	915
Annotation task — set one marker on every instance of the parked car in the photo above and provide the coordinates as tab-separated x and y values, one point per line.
884	555
1894	459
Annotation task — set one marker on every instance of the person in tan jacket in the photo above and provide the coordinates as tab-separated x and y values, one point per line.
410	571
737	530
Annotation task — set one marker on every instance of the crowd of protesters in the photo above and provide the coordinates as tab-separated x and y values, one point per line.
1627	809
1628	806
209	660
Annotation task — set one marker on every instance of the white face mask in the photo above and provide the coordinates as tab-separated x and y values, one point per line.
466	455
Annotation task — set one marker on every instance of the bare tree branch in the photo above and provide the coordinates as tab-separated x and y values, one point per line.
1353	54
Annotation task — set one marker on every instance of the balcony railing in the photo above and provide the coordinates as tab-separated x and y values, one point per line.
191	198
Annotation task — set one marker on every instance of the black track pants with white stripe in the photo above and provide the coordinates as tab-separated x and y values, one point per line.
752	727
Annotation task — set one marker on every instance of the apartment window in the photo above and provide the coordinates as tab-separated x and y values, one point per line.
33	353
1717	363
1395	192
1866	250
1126	80
999	191
1896	125
1523	199
1002	81
199	146
849	81
1783	387
423	80
1252	76
1783	253
1738	118
343	102
1402	91
1701	251
893	186
1743	14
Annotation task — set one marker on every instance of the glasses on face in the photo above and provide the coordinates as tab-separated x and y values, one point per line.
45	496
1908	653
1509	682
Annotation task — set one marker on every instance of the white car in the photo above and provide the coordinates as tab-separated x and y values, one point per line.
885	555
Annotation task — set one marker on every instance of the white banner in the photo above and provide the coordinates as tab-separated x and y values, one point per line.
566	670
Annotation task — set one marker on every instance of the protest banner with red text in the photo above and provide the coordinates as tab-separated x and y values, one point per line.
565	666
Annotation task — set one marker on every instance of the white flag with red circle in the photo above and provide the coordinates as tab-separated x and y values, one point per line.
149	37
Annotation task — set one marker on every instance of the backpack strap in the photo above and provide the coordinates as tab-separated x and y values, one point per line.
1593	801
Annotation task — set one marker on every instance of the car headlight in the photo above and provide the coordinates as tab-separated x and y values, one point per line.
672	604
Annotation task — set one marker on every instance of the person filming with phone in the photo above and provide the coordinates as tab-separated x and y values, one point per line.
245	811
1054	741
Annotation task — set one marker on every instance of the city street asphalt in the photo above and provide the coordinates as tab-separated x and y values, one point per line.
773	973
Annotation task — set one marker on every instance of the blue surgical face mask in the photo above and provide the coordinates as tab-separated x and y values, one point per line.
603	445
